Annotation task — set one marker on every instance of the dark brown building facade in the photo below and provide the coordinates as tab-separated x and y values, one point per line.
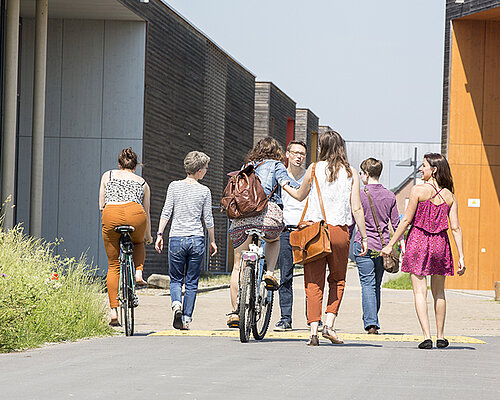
196	98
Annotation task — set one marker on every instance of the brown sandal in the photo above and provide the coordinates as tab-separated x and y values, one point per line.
313	341
330	334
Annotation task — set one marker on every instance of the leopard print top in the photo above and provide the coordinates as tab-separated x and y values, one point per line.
123	190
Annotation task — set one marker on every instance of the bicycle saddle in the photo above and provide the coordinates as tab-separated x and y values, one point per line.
254	231
124	229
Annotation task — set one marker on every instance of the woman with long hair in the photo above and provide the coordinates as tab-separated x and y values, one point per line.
339	187
267	156
124	199
428	250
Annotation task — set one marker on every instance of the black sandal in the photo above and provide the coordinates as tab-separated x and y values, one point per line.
426	344
442	343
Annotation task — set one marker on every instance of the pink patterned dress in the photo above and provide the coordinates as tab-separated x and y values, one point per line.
428	250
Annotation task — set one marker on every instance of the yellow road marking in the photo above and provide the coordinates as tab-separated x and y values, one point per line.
305	335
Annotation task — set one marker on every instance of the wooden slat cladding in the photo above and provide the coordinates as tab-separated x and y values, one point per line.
196	98
471	138
454	11
305	124
272	110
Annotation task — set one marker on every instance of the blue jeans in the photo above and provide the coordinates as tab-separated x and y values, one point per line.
370	272
285	262
185	256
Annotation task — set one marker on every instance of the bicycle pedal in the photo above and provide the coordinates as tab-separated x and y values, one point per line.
135	301
271	287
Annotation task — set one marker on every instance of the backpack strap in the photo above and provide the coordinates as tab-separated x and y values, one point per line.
375	218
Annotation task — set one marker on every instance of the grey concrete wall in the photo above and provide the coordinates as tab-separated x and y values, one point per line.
390	153
95	107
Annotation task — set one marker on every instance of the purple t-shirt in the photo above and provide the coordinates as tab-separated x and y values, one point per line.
384	202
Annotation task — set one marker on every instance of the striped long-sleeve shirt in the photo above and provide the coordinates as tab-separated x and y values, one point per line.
187	203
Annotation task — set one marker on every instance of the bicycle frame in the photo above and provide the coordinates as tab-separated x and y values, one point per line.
254	300
126	289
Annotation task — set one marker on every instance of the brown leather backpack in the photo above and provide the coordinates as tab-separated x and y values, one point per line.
244	195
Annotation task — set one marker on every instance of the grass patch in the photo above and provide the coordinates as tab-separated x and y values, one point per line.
402	283
45	297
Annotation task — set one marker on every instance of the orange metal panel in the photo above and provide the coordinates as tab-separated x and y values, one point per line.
489	234
467	185
466	82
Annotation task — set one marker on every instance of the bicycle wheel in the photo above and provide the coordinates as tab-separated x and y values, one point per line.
246	302
263	309
127	312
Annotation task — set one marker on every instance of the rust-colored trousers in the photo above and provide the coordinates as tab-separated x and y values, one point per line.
315	271
115	215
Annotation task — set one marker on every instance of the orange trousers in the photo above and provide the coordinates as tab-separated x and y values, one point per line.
315	271
115	215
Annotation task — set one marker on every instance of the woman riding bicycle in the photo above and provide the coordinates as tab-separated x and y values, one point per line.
124	199
268	157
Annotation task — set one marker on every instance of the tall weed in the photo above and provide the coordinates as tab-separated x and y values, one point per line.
45	297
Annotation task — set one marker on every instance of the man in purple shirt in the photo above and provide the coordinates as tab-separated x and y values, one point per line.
371	269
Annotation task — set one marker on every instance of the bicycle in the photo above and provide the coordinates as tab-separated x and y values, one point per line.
126	291
255	299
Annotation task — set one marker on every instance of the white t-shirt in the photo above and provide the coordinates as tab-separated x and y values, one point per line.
336	197
292	209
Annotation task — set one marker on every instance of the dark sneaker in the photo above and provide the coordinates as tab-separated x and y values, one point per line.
283	326
177	323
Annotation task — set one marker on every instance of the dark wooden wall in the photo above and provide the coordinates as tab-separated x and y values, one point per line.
272	110
453	11
196	98
305	124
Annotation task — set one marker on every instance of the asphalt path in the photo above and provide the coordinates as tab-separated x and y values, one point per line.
166	367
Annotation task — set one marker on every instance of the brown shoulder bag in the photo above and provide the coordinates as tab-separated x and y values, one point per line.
391	263
311	240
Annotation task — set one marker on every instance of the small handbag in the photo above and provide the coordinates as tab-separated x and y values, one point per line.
311	240
391	263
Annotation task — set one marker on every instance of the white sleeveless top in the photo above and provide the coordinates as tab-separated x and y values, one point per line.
336	197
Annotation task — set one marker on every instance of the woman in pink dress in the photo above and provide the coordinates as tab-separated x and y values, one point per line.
428	250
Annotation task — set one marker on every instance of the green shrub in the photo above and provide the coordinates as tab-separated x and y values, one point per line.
45	297
401	282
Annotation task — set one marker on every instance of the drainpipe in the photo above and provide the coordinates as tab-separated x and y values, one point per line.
38	120
10	110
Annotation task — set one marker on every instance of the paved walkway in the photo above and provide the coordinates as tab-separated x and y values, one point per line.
469	313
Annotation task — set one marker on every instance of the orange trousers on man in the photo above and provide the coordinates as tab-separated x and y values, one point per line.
115	215
315	271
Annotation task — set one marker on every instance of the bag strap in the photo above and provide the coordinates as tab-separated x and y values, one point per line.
313	175
375	216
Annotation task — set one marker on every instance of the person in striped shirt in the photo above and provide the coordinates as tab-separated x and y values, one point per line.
188	202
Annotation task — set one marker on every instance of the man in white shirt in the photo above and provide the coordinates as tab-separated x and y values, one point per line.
296	153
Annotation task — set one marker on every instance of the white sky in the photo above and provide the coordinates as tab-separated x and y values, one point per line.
372	70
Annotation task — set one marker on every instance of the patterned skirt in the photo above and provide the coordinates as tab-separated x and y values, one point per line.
427	253
269	221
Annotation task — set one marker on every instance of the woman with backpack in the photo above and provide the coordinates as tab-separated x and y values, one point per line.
338	185
267	156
